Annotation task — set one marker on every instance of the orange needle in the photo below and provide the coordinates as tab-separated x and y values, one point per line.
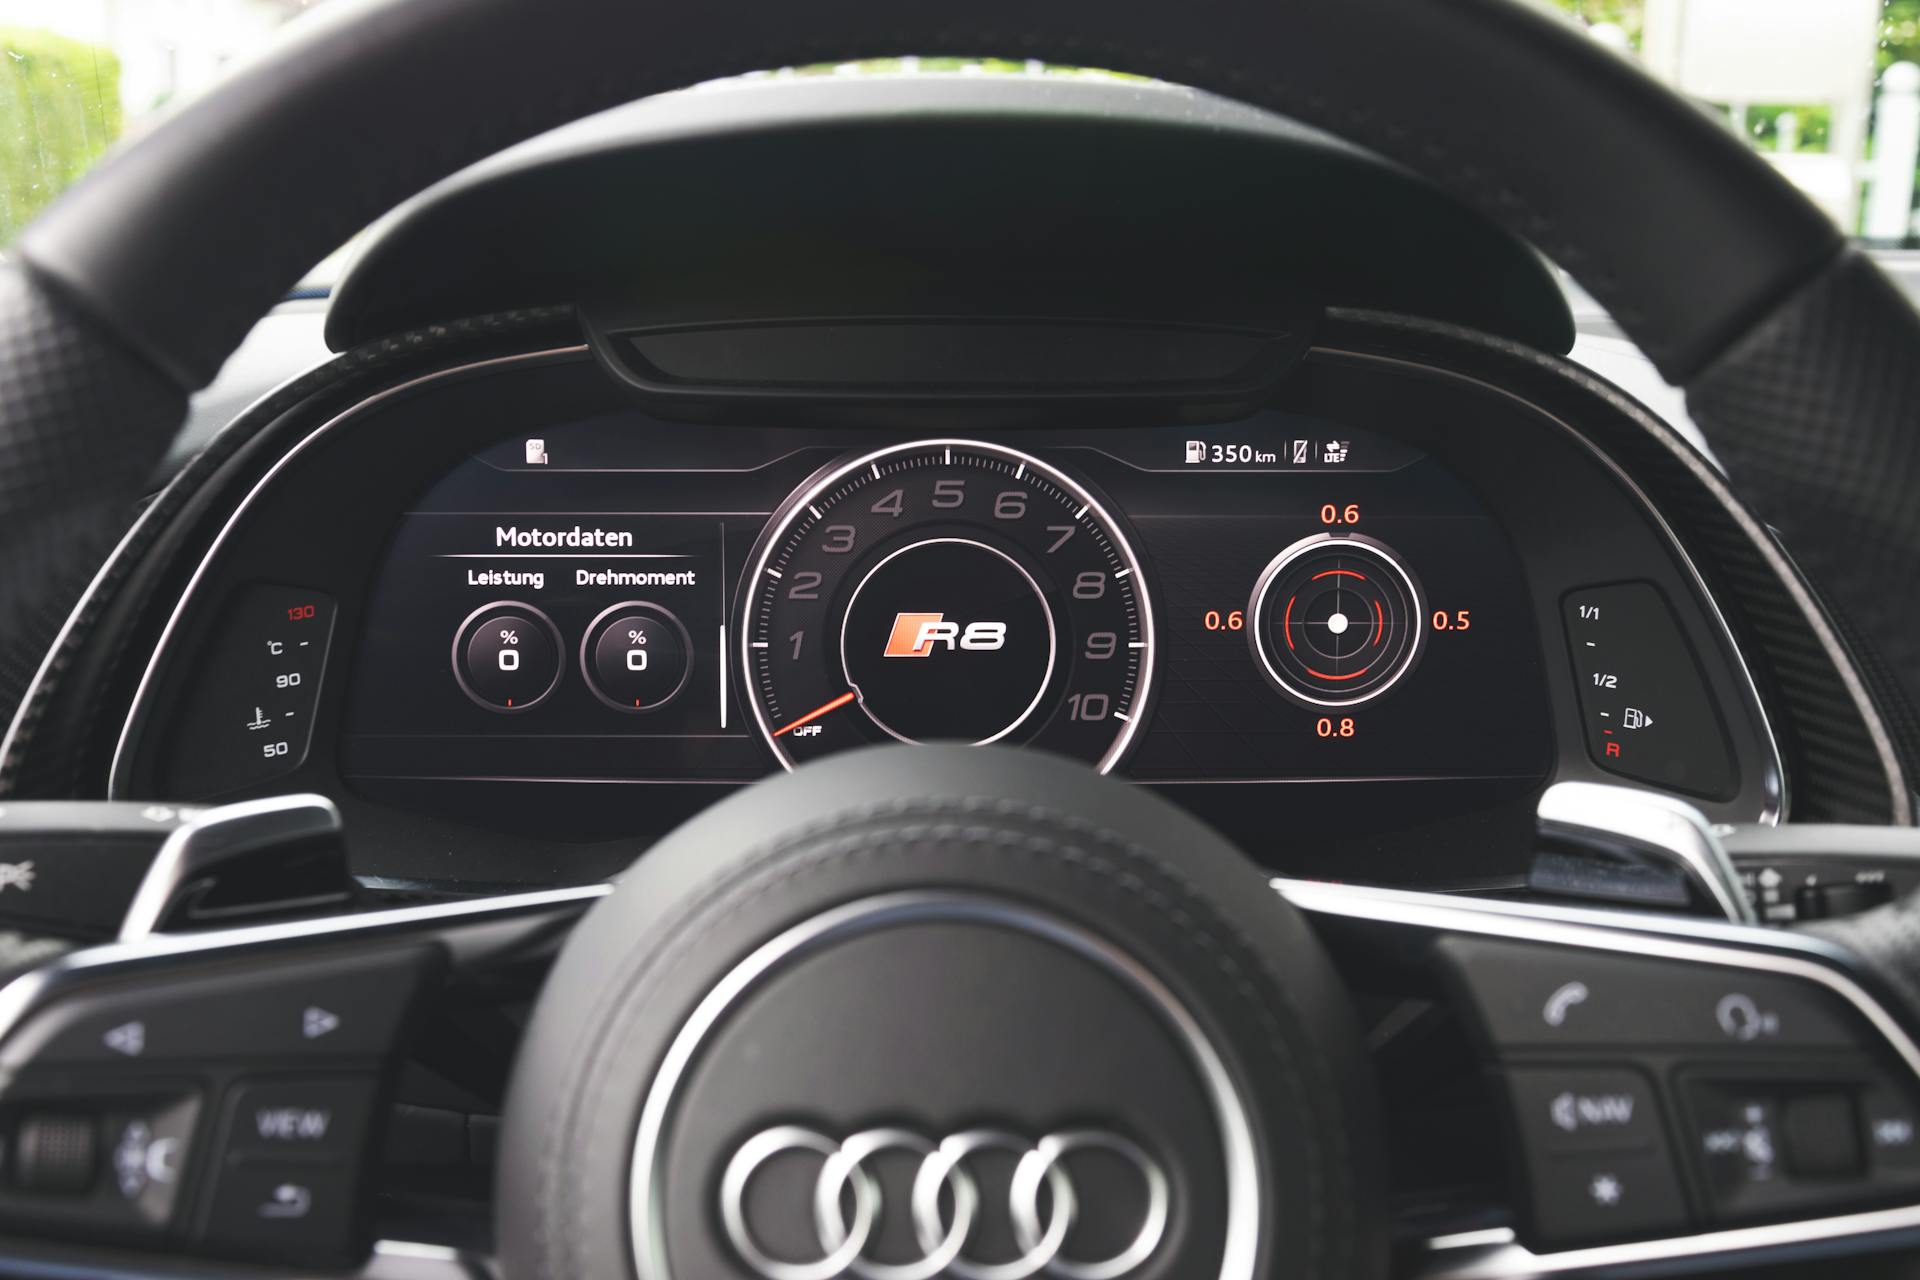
816	713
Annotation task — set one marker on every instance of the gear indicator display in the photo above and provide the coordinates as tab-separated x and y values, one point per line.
1642	694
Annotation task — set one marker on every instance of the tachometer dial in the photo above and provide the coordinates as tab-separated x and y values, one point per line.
946	590
1336	620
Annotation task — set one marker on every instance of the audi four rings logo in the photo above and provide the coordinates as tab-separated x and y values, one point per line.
917	635
943	1224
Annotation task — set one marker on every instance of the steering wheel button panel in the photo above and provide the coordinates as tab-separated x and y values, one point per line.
327	1007
1673	1090
1531	997
1824	1136
284	1035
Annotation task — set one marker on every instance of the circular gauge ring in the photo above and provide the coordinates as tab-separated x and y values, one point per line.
945	590
1336	620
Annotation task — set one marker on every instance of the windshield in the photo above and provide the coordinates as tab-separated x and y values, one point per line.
1827	90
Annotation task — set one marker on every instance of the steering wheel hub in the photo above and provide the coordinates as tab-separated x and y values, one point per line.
815	1036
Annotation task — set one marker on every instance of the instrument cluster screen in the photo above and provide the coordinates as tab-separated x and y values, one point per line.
623	600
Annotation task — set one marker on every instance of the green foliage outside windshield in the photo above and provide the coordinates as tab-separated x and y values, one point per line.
59	109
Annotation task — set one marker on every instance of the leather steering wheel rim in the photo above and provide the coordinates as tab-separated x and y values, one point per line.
1801	361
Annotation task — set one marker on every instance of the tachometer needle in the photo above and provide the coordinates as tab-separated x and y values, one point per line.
816	713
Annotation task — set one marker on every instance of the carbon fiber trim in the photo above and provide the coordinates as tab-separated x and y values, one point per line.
1814	414
57	731
82	418
1839	754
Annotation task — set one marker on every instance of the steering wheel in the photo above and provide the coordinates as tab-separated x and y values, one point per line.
968	958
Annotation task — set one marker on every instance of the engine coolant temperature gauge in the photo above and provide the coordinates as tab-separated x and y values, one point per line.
1336	620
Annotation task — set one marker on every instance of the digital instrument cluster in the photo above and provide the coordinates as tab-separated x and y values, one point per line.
1352	631
1267	601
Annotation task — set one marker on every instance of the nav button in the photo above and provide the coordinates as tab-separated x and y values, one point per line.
1573	1111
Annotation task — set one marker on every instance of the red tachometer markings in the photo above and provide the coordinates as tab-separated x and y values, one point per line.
1379	622
1337	573
816	713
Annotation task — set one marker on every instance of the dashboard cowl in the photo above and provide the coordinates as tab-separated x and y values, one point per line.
942	196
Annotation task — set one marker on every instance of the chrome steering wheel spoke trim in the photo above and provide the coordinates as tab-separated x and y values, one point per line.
1648	826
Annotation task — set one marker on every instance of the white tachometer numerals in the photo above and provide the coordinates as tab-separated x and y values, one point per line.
946	590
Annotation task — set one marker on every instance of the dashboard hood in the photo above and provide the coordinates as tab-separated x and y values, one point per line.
887	195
